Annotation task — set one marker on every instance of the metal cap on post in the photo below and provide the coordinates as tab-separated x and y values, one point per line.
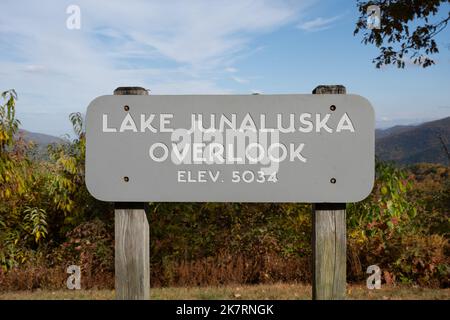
132	240
329	238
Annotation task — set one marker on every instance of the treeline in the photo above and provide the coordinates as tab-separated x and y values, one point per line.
49	221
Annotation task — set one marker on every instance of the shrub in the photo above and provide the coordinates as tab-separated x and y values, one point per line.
48	220
403	258
90	246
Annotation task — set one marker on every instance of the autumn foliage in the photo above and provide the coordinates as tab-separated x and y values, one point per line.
49	221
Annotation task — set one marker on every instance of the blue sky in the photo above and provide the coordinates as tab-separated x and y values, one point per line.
202	47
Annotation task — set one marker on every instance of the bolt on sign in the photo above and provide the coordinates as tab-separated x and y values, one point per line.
230	148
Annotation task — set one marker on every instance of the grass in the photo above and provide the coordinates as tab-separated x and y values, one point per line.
280	291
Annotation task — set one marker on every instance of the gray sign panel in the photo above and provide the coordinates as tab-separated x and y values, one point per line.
230	148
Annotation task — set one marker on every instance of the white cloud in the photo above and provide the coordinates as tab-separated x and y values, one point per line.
231	70
239	80
168	46
35	68
318	24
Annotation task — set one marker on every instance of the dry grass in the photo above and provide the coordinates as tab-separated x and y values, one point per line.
275	291
226	268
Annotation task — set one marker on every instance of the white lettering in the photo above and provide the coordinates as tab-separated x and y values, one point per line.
105	125
345	124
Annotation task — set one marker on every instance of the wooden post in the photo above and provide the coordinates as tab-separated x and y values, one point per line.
132	240
329	239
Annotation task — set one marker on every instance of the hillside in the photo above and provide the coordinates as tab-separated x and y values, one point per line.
41	141
381	133
39	138
414	144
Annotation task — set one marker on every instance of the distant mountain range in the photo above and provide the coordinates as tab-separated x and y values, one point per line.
413	144
39	138
401	144
41	141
